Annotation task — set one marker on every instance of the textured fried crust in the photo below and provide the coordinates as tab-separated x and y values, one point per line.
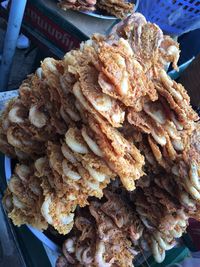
101	117
102	103
23	202
81	5
118	152
118	8
122	76
101	236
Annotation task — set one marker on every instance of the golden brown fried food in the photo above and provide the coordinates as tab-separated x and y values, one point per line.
167	135
187	168
82	5
118	152
159	206
178	99
118	8
90	118
122	76
102	103
93	172
55	213
97	239
71	173
23	198
37	115
150	46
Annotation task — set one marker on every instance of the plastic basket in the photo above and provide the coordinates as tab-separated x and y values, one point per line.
173	16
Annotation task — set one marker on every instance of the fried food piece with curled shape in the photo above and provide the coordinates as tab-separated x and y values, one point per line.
80	5
118	8
96	240
102	103
71	174
122	76
177	98
32	118
187	168
93	170
23	198
109	236
55	213
118	152
160	209
151	48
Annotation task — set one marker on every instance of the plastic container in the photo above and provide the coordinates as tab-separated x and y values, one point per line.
173	16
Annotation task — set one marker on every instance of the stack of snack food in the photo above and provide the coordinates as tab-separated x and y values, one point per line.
163	216
103	235
117	8
24	197
106	122
33	118
83	5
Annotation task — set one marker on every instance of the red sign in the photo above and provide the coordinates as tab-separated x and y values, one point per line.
53	32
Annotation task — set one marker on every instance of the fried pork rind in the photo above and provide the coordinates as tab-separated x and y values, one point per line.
151	47
118	8
60	198
33	118
87	90
102	103
82	5
161	213
122	76
23	198
167	136
187	168
94	173
122	215
177	98
5	147
63	101
98	239
71	173
55	213
118	152
112	246
107	111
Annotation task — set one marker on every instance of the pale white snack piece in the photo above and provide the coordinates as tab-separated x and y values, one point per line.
13	115
36	117
45	209
99	259
158	253
158	115
69	172
23	171
91	143
68	154
74	144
